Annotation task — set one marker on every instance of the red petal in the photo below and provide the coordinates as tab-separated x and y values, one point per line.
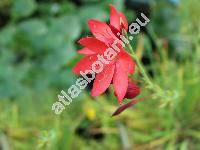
124	107
115	31
84	64
114	18
85	51
93	44
128	61
124	21
132	91
118	19
103	80
101	31
120	80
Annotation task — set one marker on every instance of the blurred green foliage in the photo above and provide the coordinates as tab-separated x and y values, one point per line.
38	49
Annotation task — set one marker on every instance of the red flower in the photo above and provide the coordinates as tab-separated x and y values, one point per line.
117	70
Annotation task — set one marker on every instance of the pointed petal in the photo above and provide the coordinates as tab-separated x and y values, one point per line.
125	106
123	21
103	80
93	44
84	64
120	80
118	19
114	18
85	51
101	31
128	61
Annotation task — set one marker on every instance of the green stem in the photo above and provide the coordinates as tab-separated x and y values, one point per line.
159	92
151	85
140	66
142	70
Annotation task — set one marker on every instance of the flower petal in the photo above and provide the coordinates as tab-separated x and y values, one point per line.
101	31
132	91
128	61
85	51
125	106
103	80
84	64
118	19
123	21
114	18
120	80
93	44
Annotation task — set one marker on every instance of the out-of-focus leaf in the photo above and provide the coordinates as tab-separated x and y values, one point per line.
92	12
22	8
56	8
60	57
165	20
11	76
34	32
6	35
67	26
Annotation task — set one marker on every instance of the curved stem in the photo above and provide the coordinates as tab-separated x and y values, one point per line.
142	70
146	78
139	64
159	92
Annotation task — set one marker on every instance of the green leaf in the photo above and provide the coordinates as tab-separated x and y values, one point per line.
33	33
52	8
59	57
67	26
92	12
6	35
22	8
